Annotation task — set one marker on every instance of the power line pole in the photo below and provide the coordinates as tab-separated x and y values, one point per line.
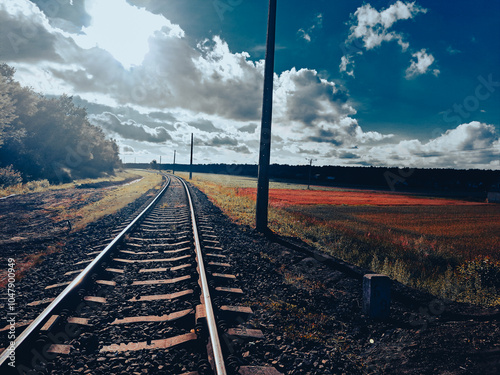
310	168
265	131
173	165
191	163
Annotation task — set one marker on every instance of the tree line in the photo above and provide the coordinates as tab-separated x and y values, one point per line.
48	138
389	178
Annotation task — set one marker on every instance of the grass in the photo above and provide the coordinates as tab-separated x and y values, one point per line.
447	247
44	185
130	185
111	201
115	199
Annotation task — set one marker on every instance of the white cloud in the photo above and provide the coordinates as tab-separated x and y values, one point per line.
370	28
309	109
129	129
421	66
373	26
465	137
25	33
216	61
347	62
306	34
471	145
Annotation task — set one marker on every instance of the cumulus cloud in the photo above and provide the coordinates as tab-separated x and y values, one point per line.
370	28
241	149
250	128
66	15
421	65
208	79
164	116
313	109
204	125
470	145
348	155
304	35
130	129
465	137
219	141
25	33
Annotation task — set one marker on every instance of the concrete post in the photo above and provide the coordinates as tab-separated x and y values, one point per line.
376	296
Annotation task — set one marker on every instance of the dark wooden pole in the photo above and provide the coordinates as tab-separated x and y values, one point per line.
173	165
265	131
191	163
310	167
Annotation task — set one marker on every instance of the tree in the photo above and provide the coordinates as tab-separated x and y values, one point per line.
7	108
50	138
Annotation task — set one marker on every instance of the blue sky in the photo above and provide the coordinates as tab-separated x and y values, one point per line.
385	83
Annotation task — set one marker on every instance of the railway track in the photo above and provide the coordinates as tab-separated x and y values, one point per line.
158	298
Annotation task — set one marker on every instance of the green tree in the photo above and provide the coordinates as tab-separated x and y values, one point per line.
7	107
50	138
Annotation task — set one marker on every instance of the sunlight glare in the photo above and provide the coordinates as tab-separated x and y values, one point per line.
122	30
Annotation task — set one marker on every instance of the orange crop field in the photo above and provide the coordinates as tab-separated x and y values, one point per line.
290	197
462	228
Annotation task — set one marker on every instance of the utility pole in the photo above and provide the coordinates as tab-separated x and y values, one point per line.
173	166
265	131
310	168
191	163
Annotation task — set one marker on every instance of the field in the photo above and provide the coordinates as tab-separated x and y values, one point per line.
470	228
449	247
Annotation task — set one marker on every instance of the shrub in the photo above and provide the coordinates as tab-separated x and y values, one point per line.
482	271
9	177
37	185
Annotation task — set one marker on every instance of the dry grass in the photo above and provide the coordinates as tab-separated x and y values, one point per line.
112	199
451	251
44	185
81	210
116	198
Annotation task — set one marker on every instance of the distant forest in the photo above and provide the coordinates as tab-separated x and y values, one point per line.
445	180
48	138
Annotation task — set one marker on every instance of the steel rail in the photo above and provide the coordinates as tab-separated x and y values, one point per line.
220	368
78	280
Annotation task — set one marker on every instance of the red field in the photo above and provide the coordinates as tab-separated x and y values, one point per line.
290	197
464	228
